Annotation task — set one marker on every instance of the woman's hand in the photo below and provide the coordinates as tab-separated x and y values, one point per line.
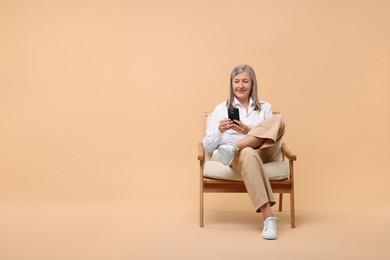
225	124
239	127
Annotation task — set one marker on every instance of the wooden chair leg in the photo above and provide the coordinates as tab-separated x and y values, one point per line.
280	201
292	208
201	198
201	209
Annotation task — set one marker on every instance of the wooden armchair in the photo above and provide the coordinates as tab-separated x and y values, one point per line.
212	185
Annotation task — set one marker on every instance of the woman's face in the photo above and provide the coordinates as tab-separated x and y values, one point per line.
242	86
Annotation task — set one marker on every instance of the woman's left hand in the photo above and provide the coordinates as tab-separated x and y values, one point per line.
240	127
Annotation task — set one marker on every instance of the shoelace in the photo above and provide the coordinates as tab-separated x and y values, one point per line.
270	224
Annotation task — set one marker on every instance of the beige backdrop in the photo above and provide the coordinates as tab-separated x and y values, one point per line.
103	100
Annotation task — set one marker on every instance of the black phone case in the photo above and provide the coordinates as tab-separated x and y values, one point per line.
233	113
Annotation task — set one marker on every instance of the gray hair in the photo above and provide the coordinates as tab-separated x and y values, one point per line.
254	94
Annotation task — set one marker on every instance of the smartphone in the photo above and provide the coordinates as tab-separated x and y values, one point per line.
233	113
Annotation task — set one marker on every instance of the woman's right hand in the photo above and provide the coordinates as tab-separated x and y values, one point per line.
225	124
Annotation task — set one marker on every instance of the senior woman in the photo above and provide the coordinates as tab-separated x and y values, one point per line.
247	143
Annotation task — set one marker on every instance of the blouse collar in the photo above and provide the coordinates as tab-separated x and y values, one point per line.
237	103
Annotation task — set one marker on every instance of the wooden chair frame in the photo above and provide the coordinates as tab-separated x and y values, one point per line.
208	185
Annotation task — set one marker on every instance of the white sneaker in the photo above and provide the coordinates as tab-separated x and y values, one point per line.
269	229
226	153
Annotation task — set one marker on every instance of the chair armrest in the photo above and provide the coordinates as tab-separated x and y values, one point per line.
200	152
286	152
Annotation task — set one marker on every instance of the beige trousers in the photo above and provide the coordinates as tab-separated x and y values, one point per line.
248	162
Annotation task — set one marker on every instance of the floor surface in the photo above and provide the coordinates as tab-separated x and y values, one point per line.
136	230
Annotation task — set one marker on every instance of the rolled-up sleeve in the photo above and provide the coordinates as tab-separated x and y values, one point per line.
267	110
213	136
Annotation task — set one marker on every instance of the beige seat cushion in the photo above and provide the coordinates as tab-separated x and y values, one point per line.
278	170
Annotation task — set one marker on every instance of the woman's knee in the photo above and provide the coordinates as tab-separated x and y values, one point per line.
248	153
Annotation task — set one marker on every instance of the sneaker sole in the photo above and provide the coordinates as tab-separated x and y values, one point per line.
222	156
270	237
